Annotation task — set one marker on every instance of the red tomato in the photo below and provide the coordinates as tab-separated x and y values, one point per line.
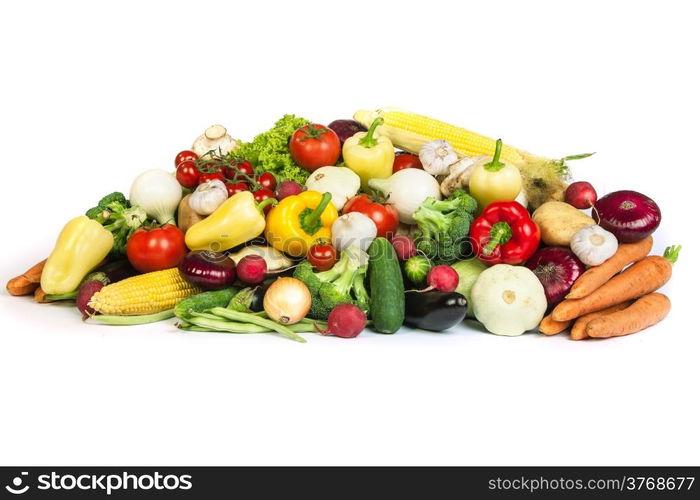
385	217
211	176
184	156
314	146
236	187
406	160
244	167
156	249
187	174
237	167
322	257
267	180
262	195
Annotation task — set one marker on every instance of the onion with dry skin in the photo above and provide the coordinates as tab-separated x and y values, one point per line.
287	301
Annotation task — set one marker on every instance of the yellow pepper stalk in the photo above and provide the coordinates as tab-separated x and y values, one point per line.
300	221
369	156
81	246
235	221
492	180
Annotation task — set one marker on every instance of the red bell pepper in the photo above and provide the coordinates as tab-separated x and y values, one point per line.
504	233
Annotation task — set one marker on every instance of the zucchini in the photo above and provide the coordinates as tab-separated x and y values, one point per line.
388	306
203	301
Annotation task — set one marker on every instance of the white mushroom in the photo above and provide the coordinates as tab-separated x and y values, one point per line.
216	139
458	176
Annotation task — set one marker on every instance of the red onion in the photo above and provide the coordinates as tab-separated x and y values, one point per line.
557	268
345	129
629	215
208	270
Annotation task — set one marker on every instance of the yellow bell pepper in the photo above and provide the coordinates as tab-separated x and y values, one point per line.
368	156
81	246
493	180
235	221
300	221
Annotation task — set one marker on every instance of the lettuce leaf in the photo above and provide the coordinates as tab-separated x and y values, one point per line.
269	151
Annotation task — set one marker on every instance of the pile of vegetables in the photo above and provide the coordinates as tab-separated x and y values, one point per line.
386	220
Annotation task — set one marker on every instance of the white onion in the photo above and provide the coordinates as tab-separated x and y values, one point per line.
158	193
407	189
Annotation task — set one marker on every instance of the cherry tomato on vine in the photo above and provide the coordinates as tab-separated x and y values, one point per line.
187	174
314	146
322	257
267	180
236	187
385	217
245	167
406	160
184	156
262	195
211	176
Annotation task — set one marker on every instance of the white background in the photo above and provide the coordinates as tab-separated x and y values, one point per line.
91	95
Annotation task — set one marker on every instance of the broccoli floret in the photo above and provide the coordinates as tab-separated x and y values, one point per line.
443	226
344	282
359	290
111	198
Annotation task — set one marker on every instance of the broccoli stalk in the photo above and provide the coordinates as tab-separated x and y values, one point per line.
117	216
443	226
343	283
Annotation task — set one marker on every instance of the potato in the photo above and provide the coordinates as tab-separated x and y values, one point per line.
186	217
559	221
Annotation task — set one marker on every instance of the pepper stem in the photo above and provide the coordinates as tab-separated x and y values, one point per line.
368	140
261	206
500	234
309	219
495	165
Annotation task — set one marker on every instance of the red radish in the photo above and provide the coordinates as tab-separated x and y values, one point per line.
442	278
85	293
581	195
346	321
251	269
288	188
404	246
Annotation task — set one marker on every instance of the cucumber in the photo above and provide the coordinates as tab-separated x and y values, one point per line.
388	305
203	301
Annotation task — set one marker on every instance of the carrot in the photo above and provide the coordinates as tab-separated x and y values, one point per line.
27	282
644	313
578	332
593	278
641	278
40	296
550	327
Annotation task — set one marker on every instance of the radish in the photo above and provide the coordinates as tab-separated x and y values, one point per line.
85	293
442	278
288	188
581	195
251	269
346	321
404	246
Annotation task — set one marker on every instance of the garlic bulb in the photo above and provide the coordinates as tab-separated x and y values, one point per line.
593	245
216	139
208	196
437	156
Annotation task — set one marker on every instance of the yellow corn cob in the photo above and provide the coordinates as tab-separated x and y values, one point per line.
143	294
410	131
543	178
